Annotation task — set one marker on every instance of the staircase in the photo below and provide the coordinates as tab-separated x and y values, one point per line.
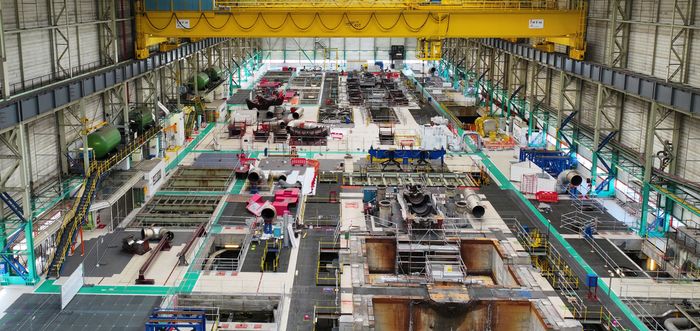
77	215
191	117
445	264
75	218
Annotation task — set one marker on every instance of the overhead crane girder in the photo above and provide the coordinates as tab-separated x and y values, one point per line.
353	19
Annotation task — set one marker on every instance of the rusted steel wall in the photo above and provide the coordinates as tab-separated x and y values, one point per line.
393	314
381	255
478	256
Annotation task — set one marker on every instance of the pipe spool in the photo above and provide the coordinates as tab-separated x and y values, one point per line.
571	177
156	233
679	324
268	212
385	210
474	204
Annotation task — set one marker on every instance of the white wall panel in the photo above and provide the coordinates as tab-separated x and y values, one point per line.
43	149
596	37
588	104
634	123
689	153
356	51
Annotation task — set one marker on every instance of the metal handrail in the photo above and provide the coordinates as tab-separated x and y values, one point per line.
78	211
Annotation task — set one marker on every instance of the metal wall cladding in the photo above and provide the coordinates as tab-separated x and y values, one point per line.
43	148
681	97
47	99
167	5
688	153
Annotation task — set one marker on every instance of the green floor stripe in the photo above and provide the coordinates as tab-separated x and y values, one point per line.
48	286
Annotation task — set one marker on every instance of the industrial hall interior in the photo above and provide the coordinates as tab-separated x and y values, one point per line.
350	165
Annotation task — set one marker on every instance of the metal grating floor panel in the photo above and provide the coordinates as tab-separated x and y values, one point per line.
85	312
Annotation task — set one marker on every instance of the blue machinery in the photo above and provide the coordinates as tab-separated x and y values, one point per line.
553	162
391	156
181	319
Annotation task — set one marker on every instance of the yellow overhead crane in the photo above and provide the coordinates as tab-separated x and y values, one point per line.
430	21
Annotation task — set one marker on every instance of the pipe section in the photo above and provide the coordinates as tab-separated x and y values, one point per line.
461	208
268	212
385	210
156	233
297	114
381	192
474	204
570	177
256	175
679	324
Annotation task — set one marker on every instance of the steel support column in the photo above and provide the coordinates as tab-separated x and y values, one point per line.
680	39
618	33
648	167
109	52
605	127
569	106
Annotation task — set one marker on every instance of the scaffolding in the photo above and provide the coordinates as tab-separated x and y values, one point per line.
578	222
430	254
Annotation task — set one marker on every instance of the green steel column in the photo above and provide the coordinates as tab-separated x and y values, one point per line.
669	205
490	91
596	135
648	167
32	276
560	109
531	123
284	50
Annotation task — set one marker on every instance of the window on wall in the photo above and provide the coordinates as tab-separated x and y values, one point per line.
588	164
628	191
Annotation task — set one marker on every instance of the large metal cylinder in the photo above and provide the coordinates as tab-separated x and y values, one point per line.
268	212
570	177
289	118
156	233
381	192
450	191
461	208
385	210
474	204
